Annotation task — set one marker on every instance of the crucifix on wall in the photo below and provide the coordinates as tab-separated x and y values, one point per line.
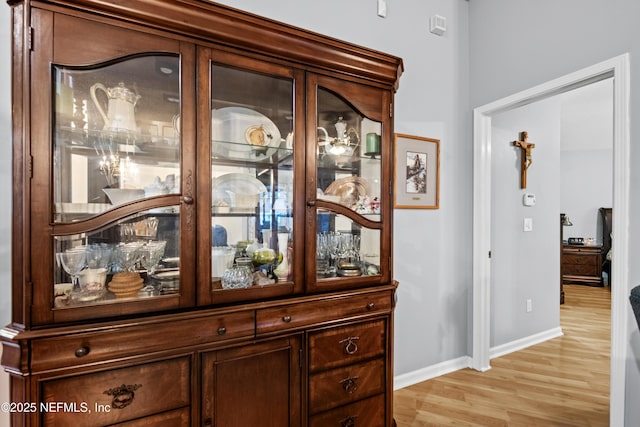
525	157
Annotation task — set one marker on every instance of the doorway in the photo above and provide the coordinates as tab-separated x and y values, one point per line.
618	69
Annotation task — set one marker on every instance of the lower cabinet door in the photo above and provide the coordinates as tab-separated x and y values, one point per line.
253	385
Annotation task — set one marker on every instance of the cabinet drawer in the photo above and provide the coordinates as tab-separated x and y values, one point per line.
586	259
295	316
345	385
366	413
177	418
344	345
71	350
580	270
119	395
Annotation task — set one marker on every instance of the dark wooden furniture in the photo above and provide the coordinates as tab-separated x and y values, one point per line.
605	228
582	264
312	348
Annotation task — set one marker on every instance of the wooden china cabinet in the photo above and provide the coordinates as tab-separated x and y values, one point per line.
202	220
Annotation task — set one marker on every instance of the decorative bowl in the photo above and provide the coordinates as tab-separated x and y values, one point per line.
119	196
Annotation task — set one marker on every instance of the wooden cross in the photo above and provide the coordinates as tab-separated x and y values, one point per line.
525	157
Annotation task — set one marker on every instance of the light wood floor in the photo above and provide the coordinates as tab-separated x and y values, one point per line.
561	382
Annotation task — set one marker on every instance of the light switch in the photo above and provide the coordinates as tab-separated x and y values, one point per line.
528	224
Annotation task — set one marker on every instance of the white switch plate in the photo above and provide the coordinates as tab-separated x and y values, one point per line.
382	8
529	306
528	224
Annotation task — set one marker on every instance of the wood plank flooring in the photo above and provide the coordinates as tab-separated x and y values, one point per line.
561	382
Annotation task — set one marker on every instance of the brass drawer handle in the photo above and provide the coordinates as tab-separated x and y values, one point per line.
222	330
123	395
350	385
350	345
286	319
350	421
371	306
82	351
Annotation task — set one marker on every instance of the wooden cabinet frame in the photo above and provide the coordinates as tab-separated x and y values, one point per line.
197	328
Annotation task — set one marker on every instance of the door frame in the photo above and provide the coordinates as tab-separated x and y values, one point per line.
618	68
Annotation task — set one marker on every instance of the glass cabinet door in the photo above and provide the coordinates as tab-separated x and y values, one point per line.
350	200
116	129
116	134
251	211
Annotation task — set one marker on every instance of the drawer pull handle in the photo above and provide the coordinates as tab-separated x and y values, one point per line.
350	345
286	319
82	351
371	306
123	395
350	421
350	385
222	330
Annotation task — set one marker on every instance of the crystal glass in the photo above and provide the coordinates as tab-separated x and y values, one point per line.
99	255
127	255
73	261
152	253
127	283
238	276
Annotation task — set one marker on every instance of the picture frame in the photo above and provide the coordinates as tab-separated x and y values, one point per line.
416	172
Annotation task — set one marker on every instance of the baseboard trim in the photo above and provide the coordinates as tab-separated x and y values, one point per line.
446	367
424	374
525	342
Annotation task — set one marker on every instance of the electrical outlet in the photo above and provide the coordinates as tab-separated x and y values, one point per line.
529	305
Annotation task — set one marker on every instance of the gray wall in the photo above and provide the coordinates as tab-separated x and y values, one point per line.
525	265
517	44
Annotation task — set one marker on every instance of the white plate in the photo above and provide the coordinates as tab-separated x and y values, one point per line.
242	133
236	190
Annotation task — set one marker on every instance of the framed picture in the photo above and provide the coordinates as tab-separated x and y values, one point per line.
417	172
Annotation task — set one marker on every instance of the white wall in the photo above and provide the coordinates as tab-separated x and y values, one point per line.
518	44
525	265
5	189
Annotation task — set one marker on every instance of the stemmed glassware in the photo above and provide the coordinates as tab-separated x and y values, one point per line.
73	261
127	255
127	283
152	252
337	254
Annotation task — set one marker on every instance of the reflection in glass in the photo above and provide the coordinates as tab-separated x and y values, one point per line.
348	156
252	177
345	249
116	129
137	257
